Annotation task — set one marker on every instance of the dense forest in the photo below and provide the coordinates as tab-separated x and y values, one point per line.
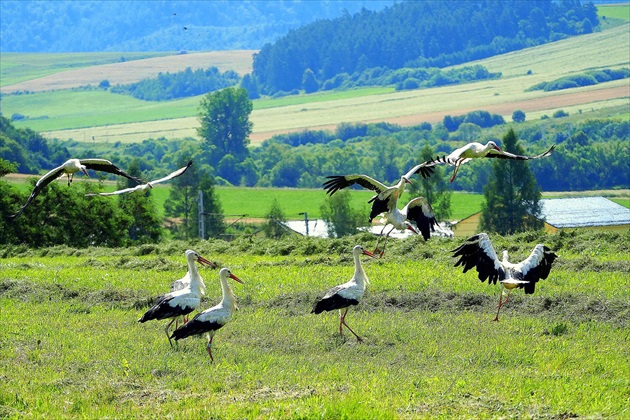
416	34
147	25
590	155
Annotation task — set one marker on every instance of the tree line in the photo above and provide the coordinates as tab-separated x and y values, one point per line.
414	34
167	86
590	154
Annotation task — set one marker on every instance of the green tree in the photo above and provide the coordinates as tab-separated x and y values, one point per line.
340	218
434	188
274	227
309	81
225	125
511	195
183	204
518	116
146	226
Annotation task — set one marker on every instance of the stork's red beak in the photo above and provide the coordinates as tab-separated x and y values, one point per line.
85	171
497	148
201	260
232	276
411	228
368	253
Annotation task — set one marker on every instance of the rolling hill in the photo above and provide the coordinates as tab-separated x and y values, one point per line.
103	116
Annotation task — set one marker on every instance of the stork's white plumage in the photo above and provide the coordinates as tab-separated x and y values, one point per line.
212	319
347	294
69	168
478	252
386	201
338	182
418	211
148	185
477	150
181	302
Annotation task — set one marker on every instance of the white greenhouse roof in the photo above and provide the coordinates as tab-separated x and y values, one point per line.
583	212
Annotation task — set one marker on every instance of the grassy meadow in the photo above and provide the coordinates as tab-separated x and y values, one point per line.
71	346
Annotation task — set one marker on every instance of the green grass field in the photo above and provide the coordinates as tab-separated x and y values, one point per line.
614	11
71	346
256	202
18	67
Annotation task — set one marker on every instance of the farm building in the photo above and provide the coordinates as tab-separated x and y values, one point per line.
566	213
585	212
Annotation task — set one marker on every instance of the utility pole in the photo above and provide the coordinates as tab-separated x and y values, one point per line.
305	221
202	225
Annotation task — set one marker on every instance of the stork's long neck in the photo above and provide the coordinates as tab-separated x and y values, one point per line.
229	300
196	282
505	257
401	186
359	274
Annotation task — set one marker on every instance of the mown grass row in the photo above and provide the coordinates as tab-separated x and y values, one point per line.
71	346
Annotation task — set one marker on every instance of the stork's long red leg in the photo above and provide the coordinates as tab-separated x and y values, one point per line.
507	297
166	331
379	239
455	172
343	321
341	318
209	349
386	238
496	318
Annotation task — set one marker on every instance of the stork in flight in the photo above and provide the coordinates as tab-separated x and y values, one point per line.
478	252
210	320
347	294
477	150
417	210
148	185
181	302
69	168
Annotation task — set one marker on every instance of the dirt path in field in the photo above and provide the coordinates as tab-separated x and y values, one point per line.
554	101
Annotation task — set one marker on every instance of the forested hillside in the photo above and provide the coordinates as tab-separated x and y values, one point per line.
146	25
415	34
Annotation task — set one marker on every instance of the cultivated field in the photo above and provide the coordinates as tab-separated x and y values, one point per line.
22	71
116	118
71	346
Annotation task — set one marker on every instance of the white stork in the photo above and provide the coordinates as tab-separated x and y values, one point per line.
477	150
210	320
478	252
69	168
148	185
181	302
347	294
386	200
417	210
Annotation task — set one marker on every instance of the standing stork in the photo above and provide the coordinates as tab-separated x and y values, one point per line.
386	200
476	150
181	302
148	185
210	320
347	294
69	168
478	252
